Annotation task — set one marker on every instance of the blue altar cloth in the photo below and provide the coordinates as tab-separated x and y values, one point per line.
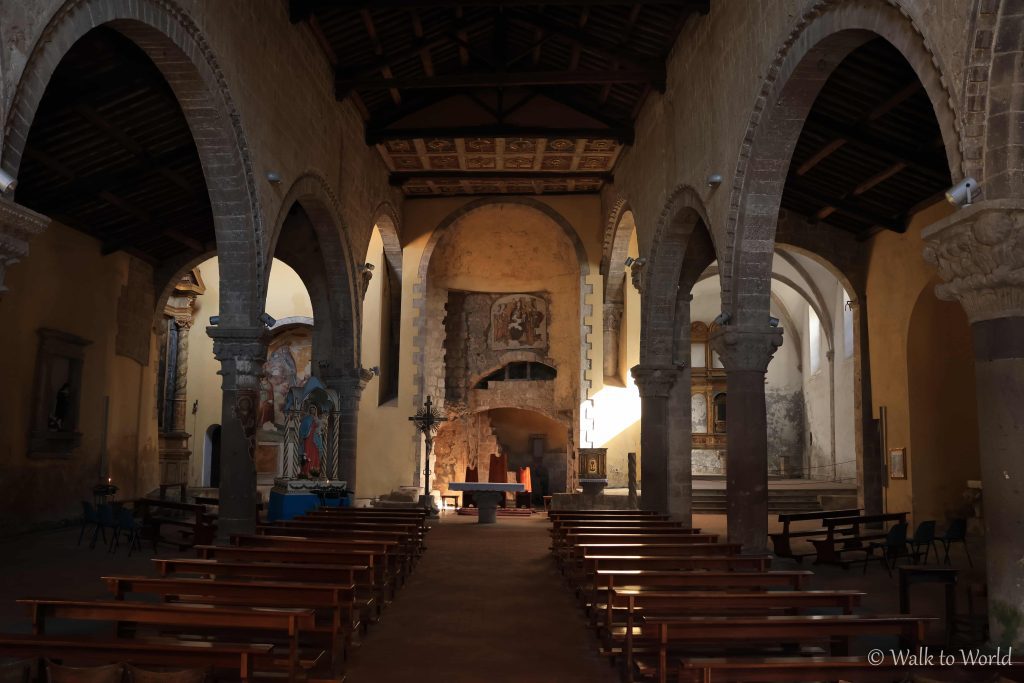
290	505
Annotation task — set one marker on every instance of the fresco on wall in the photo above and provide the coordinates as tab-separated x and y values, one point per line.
518	321
289	356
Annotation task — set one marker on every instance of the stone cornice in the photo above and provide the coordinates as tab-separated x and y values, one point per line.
17	225
655	381
979	253
746	348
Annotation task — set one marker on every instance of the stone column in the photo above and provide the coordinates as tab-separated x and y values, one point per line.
242	351
612	331
979	253
17	226
349	384
655	384
680	427
745	352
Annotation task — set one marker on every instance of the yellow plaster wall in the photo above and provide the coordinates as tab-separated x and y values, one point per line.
286	297
897	276
66	284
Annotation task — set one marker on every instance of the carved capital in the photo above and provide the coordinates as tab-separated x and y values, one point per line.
746	348
612	316
636	274
979	253
17	225
655	381
242	351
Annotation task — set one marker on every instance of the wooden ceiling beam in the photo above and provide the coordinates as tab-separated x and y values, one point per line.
859	213
508	80
623	135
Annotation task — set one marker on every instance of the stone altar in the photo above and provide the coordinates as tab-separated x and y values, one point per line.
487	496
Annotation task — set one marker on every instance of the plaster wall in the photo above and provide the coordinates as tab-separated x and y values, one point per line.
69	286
896	278
286	297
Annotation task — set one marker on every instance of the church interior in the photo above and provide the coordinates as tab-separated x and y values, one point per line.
511	340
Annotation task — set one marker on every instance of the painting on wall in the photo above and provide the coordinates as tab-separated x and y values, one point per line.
289	357
897	463
518	321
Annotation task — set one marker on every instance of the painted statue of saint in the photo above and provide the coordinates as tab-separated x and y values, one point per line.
312	440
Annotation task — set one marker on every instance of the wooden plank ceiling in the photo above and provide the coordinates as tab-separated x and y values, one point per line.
870	153
497	96
111	154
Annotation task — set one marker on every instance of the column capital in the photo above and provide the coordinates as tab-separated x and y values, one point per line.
979	253
655	381
242	351
746	347
17	225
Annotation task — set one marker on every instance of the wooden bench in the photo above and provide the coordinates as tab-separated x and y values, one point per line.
786	669
573	541
195	524
335	604
677	633
399	557
234	659
574	561
559	534
272	571
567	535
781	540
830	549
643	605
593	564
205	620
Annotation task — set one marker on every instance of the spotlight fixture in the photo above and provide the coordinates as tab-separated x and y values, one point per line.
723	318
773	321
375	370
214	320
963	193
367	267
714	180
7	182
274	177
267	319
638	261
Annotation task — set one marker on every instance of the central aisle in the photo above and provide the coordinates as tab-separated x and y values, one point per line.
484	604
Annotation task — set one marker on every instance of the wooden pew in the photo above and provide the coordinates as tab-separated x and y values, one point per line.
642	605
561	514
677	633
271	571
335	604
234	659
786	669
566	535
781	539
286	624
195	523
830	549
574	561
573	542
594	564
399	559
377	561
559	534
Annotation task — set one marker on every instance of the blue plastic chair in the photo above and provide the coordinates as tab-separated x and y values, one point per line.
88	517
104	521
128	525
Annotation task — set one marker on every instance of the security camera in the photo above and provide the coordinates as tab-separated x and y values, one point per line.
267	320
214	320
7	182
723	318
773	321
714	180
963	193
638	261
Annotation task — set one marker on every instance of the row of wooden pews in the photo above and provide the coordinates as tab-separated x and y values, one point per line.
672	603
288	602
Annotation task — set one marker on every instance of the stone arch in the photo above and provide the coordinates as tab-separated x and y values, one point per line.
618	233
171	39
420	300
332	289
387	223
684	213
825	35
1004	158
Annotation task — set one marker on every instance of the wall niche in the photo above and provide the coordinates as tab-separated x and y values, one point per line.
57	390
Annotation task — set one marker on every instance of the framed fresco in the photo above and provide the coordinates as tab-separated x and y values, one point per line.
897	463
519	321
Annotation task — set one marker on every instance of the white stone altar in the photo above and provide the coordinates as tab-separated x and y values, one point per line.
487	496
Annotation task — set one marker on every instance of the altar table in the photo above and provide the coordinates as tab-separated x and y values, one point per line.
487	496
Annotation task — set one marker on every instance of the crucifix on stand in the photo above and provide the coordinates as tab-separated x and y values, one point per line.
427	421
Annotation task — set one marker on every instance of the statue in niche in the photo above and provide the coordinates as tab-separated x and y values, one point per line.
312	434
518	321
61	408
